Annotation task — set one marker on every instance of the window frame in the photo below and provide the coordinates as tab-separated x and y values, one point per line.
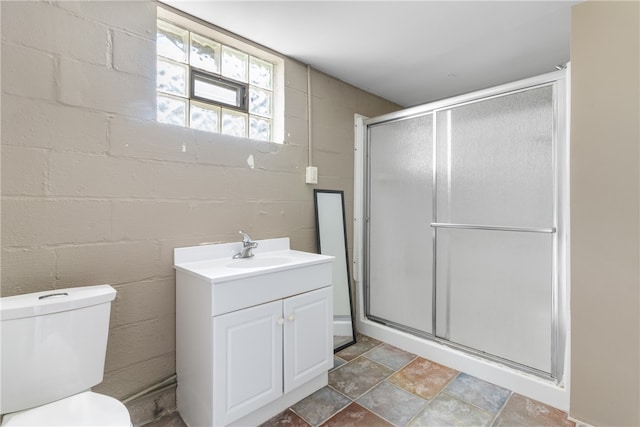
242	90
223	37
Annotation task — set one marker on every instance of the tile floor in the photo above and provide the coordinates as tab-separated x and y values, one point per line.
374	384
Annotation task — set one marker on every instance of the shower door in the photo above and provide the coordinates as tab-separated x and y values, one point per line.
398	239
495	226
460	238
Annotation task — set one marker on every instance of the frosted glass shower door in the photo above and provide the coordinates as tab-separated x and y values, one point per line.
399	238
495	226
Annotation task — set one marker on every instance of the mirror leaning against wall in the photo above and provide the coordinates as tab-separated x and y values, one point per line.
332	240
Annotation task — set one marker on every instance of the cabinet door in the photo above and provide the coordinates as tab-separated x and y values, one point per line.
308	336
247	361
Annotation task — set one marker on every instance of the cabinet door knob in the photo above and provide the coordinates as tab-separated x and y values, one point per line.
291	317
280	321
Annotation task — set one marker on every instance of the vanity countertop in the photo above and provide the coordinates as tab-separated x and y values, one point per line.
216	263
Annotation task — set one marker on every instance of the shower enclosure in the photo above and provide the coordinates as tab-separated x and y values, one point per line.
461	224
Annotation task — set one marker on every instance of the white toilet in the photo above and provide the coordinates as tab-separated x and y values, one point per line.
53	350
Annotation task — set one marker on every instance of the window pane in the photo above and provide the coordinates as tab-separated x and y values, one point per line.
172	110
260	73
234	64
172	42
234	123
216	91
205	54
172	78
260	102
259	128
205	117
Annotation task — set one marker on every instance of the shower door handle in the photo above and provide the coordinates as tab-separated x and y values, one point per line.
492	227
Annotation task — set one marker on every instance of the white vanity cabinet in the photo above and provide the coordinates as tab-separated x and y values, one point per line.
268	350
251	341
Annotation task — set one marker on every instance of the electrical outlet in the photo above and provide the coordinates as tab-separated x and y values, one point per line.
312	175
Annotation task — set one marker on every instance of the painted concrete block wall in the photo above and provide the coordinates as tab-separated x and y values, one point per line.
605	213
95	191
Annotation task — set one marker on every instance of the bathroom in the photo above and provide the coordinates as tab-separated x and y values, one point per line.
95	191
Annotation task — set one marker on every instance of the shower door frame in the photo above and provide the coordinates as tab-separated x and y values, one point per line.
560	167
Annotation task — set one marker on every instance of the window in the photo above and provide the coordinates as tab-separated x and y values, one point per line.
205	83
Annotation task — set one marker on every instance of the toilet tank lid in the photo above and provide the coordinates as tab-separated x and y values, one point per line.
54	301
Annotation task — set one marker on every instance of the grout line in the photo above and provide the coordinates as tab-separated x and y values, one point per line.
425	404
459	399
385	379
299	415
335	413
504	405
435	396
418	413
352	400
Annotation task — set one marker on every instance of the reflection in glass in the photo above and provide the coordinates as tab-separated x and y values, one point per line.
332	240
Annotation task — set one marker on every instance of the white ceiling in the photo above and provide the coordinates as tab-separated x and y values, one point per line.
407	52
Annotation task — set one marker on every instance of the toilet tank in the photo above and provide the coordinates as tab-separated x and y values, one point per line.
53	344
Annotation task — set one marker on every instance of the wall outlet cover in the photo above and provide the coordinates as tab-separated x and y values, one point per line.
312	175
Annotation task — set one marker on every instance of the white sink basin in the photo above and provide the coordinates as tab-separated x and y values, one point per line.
259	261
216	263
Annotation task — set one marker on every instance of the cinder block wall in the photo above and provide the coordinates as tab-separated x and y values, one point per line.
95	191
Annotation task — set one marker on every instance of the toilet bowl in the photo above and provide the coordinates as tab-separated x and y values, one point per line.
83	409
53	351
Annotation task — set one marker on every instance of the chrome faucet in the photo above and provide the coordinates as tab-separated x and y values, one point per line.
247	246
